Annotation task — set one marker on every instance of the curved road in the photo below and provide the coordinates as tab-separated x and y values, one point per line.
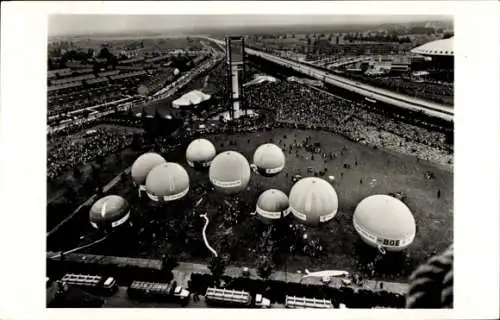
80	248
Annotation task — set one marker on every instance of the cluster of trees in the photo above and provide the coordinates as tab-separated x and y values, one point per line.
421	30
217	267
447	35
134	45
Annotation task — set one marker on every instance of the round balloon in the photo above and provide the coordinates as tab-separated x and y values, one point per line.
143	165
385	222
229	172
269	160
313	200
200	153
109	212
272	204
167	182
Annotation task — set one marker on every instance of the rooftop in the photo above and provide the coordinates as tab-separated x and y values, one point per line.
443	47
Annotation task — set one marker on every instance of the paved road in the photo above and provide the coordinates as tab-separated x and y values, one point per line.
182	273
121	300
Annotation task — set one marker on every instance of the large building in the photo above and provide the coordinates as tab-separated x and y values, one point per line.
440	54
439	48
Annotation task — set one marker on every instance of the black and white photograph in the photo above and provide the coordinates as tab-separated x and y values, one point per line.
250	161
273	162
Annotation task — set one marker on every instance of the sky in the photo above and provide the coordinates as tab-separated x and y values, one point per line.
82	24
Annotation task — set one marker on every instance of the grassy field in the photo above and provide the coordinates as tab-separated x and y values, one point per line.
177	229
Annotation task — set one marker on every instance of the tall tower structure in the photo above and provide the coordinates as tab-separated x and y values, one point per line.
235	52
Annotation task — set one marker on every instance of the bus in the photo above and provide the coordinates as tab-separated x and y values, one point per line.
99	284
143	290
235	299
307	303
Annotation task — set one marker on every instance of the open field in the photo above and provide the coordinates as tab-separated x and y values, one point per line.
177	229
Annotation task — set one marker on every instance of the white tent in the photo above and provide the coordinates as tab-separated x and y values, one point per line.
191	98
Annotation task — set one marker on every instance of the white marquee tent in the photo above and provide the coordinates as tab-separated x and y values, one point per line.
192	98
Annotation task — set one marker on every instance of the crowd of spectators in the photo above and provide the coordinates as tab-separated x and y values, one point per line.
216	83
71	151
288	104
294	105
306	107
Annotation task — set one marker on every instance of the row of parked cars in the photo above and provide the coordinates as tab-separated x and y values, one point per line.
171	292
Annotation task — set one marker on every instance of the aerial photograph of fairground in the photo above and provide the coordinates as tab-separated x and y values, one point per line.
247	161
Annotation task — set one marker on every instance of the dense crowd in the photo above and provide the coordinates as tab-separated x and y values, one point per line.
291	104
302	106
216	82
67	152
